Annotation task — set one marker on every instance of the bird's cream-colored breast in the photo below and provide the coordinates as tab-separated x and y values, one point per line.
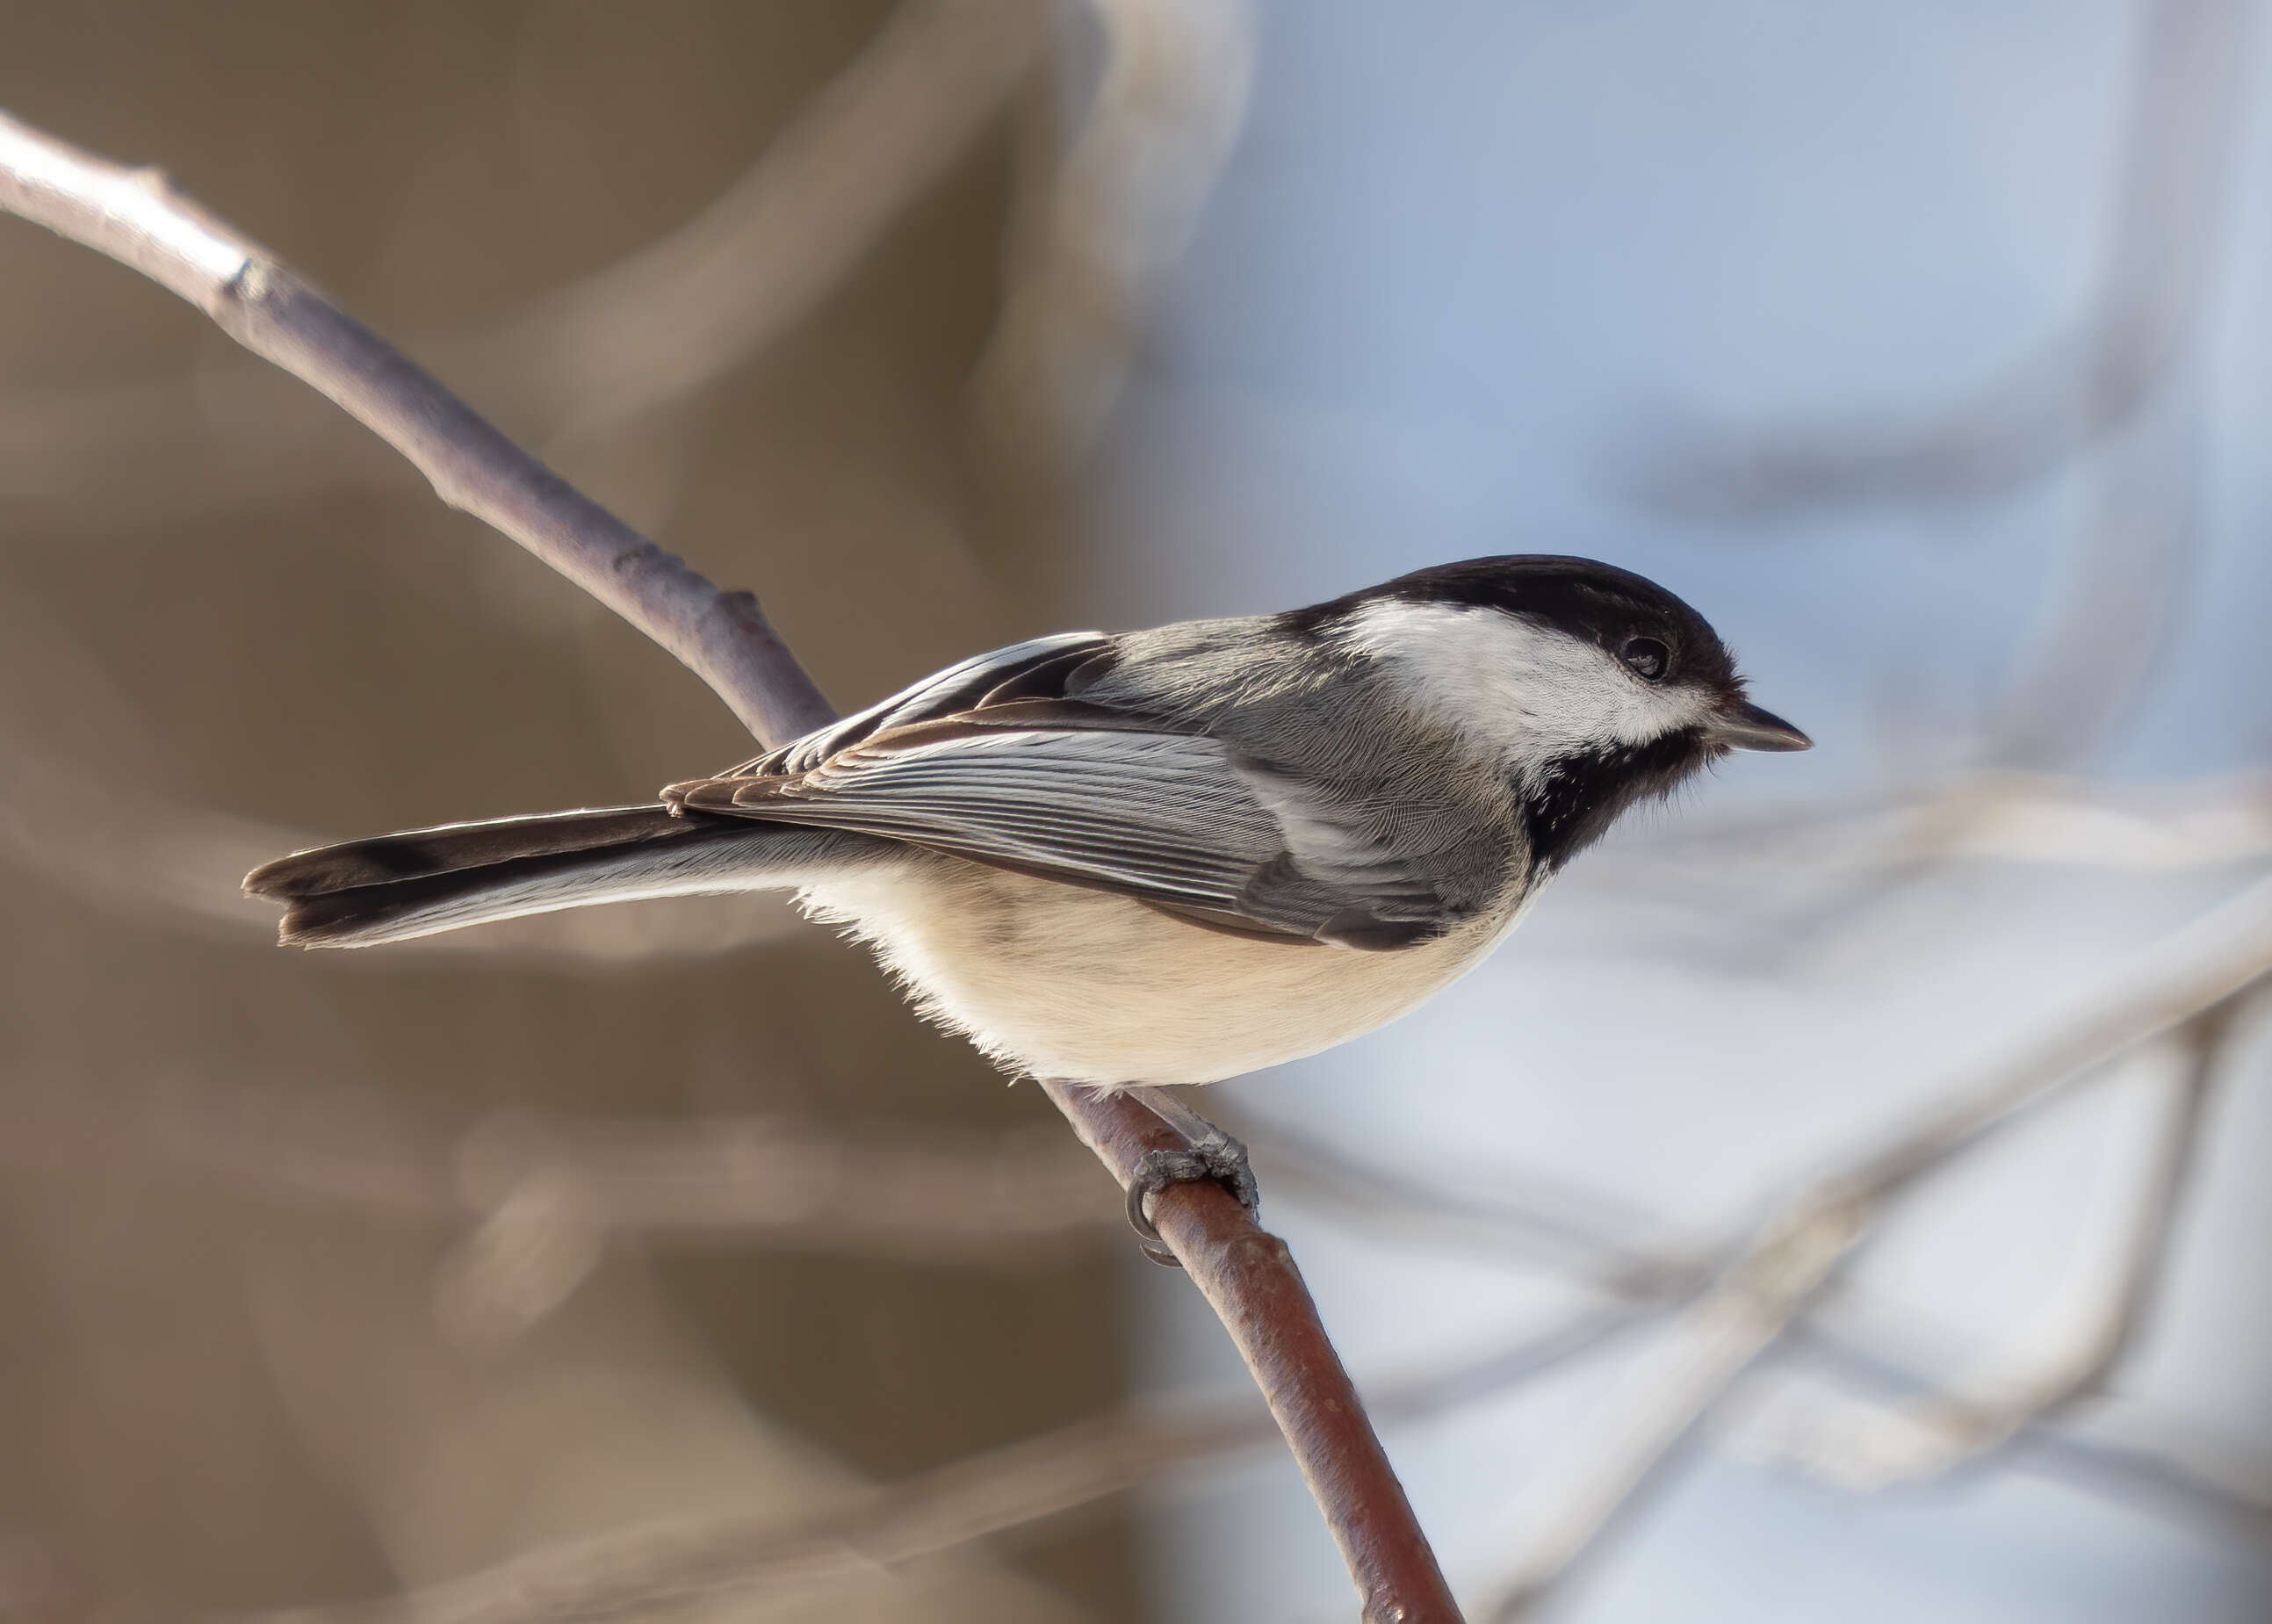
1058	981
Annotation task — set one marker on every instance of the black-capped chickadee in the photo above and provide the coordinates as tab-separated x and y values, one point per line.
1154	857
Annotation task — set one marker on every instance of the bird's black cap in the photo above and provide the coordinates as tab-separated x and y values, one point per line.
1581	597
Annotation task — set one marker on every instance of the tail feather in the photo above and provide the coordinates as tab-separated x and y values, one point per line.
423	853
397	886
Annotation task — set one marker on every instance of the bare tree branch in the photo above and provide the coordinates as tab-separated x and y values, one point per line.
757	1563
1041	1478
657	324
722	637
2118	596
134	217
1766	1288
1249	1279
1594	1242
2031	819
547	1193
2160	1471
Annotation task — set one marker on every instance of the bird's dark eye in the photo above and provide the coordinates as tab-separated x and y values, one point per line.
1648	657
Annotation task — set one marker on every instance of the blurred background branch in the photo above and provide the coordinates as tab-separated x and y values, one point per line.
620	342
1765	1288
1105	213
2159	251
1946	1431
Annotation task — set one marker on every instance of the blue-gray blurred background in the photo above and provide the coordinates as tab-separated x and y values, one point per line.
1921	347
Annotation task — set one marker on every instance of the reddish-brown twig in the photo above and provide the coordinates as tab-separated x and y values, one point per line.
1249	1278
134	217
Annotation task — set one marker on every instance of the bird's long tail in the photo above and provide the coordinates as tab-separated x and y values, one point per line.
399	886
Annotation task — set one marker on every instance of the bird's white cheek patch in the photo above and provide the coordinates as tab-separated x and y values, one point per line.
1521	688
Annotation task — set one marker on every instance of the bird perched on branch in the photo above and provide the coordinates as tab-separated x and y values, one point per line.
1155	857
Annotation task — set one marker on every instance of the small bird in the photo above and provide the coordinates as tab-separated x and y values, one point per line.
1146	859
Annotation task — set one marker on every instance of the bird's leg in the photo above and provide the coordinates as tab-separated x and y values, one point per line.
1209	1153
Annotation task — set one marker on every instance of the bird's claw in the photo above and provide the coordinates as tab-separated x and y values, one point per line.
1214	1156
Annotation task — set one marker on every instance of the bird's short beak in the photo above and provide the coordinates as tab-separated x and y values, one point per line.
1743	726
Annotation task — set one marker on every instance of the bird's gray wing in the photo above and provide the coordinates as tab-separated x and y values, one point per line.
997	761
1158	816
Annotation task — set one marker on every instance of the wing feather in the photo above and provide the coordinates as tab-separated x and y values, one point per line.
1000	760
1149	812
959	689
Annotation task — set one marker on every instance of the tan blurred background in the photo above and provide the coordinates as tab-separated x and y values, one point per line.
290	1320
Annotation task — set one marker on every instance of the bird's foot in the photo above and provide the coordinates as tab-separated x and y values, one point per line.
1207	1154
